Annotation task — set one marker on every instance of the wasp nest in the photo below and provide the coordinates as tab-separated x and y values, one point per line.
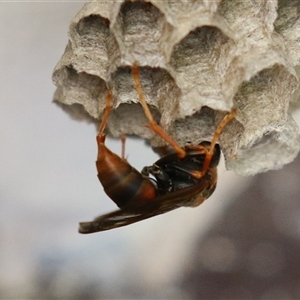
198	59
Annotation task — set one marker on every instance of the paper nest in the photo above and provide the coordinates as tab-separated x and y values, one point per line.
198	60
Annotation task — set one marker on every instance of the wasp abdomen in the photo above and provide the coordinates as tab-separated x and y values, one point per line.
121	182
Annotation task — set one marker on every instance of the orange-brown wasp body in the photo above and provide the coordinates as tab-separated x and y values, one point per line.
184	178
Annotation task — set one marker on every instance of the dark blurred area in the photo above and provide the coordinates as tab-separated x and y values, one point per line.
253	251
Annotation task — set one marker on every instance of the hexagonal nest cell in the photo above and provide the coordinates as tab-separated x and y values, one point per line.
197	60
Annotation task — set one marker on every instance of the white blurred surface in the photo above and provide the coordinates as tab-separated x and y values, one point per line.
48	183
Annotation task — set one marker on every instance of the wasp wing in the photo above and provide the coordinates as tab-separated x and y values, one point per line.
140	211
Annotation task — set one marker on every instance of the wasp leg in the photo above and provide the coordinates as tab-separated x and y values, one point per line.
210	152
123	141
153	125
100	135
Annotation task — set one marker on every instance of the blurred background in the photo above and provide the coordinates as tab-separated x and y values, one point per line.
242	243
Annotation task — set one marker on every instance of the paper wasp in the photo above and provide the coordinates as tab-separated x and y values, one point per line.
184	178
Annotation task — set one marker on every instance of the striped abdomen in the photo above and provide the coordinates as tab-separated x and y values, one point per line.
121	182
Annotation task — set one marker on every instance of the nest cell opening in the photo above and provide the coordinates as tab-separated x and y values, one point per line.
86	83
130	119
84	89
263	103
200	61
95	45
139	23
91	29
196	128
156	84
92	32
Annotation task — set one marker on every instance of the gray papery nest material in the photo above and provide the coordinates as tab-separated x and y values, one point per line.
197	59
